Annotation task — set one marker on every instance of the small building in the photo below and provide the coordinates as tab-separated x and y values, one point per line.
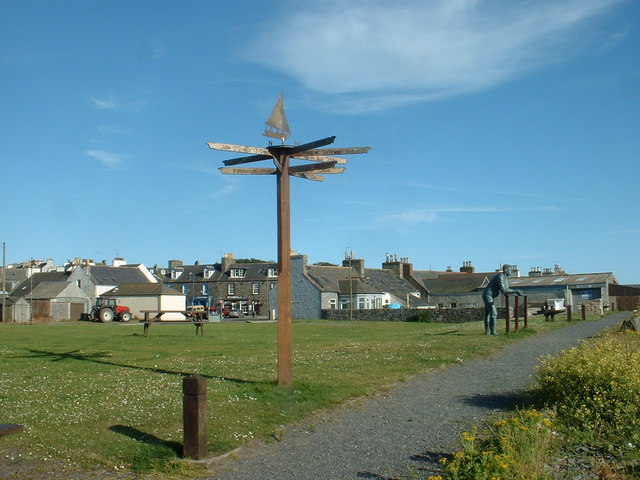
55	301
149	296
95	280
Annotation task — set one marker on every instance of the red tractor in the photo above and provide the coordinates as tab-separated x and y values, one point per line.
106	310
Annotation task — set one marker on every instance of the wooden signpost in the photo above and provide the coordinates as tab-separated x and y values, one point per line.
323	163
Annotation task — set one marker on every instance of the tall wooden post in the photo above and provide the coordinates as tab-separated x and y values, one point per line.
284	273
506	316
526	312
569	313
516	313
322	162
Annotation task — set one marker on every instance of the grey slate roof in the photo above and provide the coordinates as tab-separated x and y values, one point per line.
329	277
254	272
48	290
26	286
574	279
457	283
375	280
141	289
103	275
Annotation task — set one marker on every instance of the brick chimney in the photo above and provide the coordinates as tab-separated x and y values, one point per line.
227	260
356	264
174	264
535	272
467	267
397	265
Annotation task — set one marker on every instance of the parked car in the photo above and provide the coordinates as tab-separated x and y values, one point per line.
232	313
197	311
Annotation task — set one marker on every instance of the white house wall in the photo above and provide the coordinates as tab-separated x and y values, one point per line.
173	302
137	303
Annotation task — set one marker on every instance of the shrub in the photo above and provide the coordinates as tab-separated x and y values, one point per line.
596	388
514	447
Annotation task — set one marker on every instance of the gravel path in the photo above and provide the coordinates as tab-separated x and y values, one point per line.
387	437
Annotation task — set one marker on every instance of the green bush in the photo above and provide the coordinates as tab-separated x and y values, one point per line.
596	388
514	447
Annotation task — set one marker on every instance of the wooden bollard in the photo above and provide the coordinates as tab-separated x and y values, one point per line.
568	313
526	312
516	314
194	410
584	312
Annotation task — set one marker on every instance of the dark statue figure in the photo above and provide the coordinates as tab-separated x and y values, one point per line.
498	284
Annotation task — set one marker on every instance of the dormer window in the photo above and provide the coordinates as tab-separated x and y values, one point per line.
272	272
238	272
207	272
175	274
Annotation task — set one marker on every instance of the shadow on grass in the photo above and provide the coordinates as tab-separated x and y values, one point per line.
507	401
99	357
146	438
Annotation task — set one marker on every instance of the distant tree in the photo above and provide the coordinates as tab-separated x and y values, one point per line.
253	260
325	264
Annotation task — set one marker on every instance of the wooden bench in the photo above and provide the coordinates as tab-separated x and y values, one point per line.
9	428
197	320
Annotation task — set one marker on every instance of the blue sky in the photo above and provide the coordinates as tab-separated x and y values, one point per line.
500	131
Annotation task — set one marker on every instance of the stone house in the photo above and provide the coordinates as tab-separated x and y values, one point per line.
330	287
230	284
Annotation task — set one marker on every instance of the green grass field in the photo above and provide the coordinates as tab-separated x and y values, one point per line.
93	394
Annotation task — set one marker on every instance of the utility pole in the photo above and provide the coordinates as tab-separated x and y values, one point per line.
4	282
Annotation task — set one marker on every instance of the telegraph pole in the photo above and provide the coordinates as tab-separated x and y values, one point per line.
4	282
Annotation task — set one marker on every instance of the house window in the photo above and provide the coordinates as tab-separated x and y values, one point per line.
332	304
272	285
361	303
272	272
255	288
344	303
185	289
205	289
238	272
78	283
231	289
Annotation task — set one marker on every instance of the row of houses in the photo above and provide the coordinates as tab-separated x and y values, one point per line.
250	286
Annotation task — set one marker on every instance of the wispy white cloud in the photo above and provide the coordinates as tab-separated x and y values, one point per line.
114	102
109	160
416	216
480	191
217	191
630	231
405	52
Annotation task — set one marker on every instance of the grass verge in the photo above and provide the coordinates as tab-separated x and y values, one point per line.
104	396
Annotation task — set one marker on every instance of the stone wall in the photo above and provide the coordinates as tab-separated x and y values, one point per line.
593	307
442	315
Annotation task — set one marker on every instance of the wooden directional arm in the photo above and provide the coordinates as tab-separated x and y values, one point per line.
337	151
290	151
247	171
241	160
313	167
322	158
228	147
